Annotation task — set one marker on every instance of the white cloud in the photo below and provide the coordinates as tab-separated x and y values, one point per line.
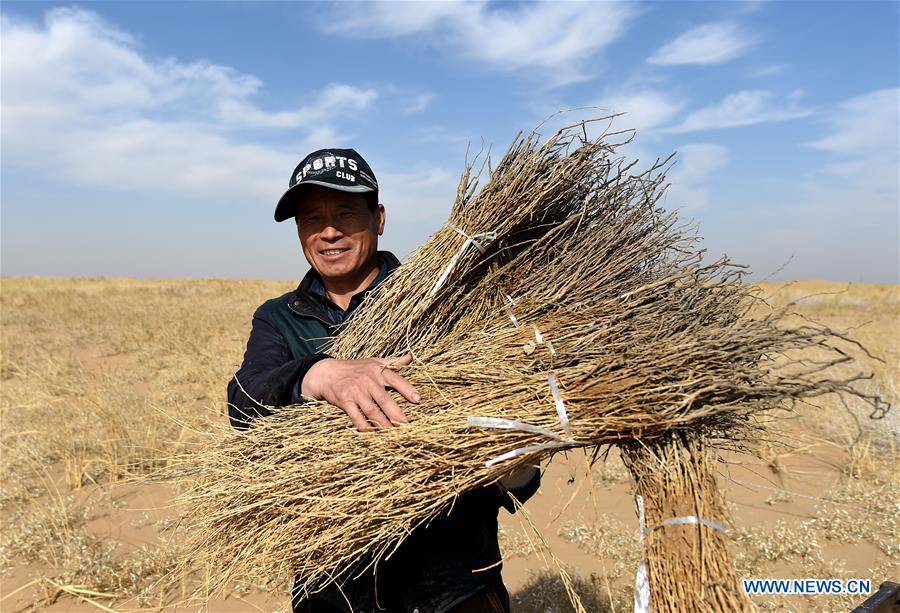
643	110
388	19
421	199
555	38
835	228
422	194
743	108
862	189
843	220
864	124
695	166
79	97
711	43
767	71
336	98
419	103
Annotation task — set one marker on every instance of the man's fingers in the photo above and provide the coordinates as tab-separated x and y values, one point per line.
358	388
388	405
373	413
406	389
403	360
357	417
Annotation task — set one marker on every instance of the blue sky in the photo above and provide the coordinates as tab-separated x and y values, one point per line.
153	139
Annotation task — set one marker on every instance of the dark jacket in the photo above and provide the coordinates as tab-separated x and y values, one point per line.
432	570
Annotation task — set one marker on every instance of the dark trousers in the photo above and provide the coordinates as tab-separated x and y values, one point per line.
490	600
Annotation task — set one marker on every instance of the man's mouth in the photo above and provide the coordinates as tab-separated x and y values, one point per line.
333	251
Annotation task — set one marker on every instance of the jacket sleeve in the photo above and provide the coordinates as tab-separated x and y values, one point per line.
521	494
267	376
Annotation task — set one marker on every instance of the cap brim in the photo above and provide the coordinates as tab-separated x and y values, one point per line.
285	209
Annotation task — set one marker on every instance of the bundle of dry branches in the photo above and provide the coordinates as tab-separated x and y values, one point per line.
682	517
561	303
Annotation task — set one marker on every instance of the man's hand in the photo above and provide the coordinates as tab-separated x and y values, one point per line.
358	387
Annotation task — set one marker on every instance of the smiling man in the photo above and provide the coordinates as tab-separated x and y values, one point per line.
453	564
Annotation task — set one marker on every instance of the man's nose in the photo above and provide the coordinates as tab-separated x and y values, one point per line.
330	230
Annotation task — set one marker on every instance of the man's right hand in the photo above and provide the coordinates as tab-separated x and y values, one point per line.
358	387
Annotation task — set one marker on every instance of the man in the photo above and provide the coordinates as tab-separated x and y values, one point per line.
453	563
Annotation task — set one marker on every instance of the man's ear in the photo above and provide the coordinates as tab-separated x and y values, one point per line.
380	217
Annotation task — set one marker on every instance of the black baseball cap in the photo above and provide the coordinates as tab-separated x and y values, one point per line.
341	169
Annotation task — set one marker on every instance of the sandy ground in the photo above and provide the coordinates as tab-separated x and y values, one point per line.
783	502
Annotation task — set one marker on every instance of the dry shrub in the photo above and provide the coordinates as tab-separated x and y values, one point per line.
50	532
608	540
545	592
515	544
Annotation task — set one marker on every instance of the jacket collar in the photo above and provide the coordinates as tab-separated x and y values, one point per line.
302	303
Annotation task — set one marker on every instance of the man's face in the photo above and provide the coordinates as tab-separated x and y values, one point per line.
338	232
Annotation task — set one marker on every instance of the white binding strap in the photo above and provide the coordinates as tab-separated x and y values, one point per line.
510	424
470	241
539	340
560	407
551	348
690	520
641	580
512	317
528	449
501	423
